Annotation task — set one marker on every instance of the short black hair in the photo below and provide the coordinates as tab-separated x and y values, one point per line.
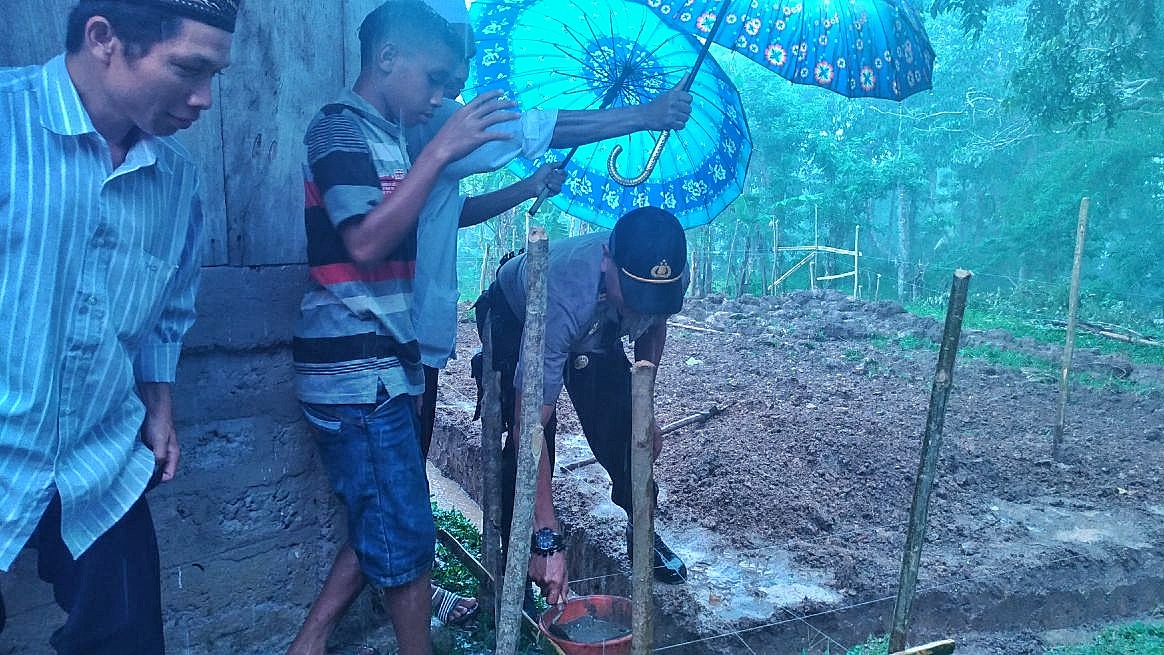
139	27
410	23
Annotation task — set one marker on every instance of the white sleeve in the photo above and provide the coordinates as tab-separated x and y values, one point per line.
528	136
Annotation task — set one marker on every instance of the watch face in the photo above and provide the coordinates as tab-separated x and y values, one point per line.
544	539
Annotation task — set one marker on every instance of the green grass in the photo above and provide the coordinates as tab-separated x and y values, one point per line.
1131	639
1013	320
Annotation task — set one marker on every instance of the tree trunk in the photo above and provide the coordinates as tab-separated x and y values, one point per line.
905	290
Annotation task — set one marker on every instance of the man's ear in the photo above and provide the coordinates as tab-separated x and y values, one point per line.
100	39
386	57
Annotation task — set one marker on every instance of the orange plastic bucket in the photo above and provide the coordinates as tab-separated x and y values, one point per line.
590	616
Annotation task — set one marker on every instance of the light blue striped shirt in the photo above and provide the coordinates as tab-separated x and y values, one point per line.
98	273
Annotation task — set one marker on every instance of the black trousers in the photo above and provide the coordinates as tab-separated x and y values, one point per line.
599	388
112	592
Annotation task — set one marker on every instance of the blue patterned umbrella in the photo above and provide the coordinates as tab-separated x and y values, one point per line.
858	48
589	54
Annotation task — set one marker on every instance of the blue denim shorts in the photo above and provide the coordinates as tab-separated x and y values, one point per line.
372	455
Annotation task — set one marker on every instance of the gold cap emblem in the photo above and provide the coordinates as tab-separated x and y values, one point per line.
661	271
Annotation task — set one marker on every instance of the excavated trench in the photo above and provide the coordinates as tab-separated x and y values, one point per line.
761	601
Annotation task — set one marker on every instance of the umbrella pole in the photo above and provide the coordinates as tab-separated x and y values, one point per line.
533	210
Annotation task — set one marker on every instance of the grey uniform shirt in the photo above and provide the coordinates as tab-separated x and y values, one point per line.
577	314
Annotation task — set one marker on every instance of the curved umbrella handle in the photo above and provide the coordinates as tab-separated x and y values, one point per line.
652	161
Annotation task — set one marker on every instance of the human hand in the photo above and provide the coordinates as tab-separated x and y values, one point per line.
549	573
157	432
671	110
468	127
548	178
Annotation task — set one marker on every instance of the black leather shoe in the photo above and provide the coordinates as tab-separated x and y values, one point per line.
667	567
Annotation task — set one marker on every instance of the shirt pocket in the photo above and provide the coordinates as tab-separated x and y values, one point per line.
137	284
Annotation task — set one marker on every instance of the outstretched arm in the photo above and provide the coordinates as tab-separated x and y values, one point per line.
669	111
383	228
478	209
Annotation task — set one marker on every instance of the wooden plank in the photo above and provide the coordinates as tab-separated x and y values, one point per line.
288	61
35	31
204	140
944	647
354	13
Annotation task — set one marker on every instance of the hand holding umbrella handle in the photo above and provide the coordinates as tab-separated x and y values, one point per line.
651	162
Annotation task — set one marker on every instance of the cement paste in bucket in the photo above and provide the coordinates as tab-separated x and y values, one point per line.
590	625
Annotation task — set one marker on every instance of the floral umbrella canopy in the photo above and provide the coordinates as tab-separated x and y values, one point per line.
590	54
857	48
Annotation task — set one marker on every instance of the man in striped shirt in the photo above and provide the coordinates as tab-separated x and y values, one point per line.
357	358
100	231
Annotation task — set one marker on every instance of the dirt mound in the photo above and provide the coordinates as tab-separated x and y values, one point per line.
818	452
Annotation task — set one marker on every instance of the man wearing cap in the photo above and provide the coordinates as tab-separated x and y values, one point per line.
600	288
102	233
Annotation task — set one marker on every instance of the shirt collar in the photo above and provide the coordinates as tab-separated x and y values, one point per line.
361	106
63	112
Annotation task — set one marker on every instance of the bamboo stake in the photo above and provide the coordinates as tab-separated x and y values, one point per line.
642	477
931	443
529	447
698	417
491	486
1072	313
856	259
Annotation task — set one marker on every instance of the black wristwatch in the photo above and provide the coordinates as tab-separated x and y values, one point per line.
546	542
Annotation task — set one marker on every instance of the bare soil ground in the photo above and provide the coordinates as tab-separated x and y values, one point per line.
816	459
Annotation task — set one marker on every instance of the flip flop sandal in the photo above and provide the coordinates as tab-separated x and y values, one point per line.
445	604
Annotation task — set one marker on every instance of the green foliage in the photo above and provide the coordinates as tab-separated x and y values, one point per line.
1138	638
448	572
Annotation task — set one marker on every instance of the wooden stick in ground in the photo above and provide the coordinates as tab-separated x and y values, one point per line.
670	427
931	443
491	485
1072	313
643	494
530	445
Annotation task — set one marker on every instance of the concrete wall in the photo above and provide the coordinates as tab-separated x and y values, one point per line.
247	529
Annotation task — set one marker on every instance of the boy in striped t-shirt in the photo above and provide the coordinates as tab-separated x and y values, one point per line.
357	361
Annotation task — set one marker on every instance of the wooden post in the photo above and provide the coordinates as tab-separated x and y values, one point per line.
931	443
856	259
491	486
643	493
485	279
1072	314
529	447
775	249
